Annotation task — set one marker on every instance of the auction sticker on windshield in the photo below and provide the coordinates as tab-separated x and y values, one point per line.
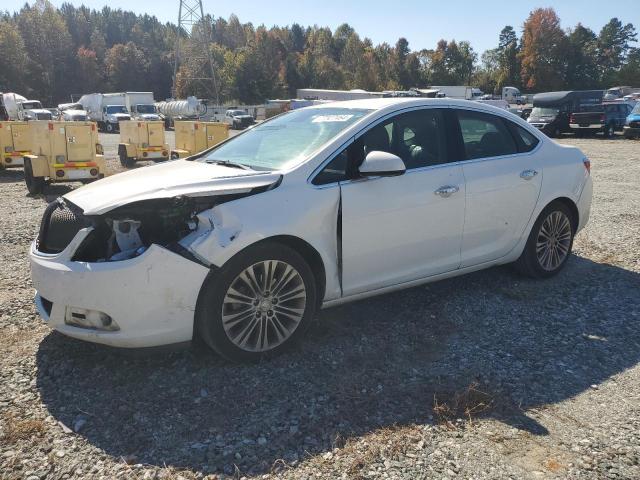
331	118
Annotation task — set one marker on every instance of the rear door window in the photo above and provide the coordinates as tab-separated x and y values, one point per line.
485	135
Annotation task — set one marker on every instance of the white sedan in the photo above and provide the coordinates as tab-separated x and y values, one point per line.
243	243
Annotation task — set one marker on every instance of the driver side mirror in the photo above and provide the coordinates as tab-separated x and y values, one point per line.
382	164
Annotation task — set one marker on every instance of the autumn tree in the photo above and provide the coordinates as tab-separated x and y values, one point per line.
543	53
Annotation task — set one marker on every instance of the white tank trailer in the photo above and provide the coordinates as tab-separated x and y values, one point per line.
173	110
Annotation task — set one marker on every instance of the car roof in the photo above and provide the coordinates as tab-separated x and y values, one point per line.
392	104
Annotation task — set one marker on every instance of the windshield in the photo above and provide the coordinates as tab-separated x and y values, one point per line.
31	105
146	108
235	113
287	139
544	112
117	109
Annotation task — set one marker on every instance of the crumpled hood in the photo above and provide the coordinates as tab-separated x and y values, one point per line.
166	180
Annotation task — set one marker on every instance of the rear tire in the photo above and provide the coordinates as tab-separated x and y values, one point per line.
35	185
246	323
549	244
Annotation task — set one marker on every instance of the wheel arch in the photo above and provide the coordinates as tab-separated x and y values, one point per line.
573	208
310	255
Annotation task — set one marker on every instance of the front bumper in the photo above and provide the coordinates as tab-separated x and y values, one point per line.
152	298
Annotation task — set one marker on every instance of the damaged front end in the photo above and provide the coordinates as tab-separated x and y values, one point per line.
128	231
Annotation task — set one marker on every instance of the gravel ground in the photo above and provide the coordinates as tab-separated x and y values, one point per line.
484	376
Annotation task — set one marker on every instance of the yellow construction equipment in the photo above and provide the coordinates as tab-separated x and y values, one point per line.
142	141
193	137
62	152
14	144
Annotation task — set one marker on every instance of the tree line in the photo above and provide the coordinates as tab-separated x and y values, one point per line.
49	53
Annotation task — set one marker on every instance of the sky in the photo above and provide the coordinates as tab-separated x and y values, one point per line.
422	23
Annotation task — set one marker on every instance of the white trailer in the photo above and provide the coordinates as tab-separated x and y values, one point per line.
461	92
19	108
107	109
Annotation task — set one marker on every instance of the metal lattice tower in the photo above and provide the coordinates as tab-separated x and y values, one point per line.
193	24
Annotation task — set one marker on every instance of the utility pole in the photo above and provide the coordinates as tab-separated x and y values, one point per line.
193	24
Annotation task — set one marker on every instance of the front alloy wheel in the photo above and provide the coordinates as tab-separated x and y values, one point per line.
258	303
263	306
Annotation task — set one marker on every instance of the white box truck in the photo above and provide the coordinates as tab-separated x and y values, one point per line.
142	106
106	109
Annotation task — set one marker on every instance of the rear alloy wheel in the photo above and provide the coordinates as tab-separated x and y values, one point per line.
549	244
258	304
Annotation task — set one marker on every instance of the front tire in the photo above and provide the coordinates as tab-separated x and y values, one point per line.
110	128
549	244
258	304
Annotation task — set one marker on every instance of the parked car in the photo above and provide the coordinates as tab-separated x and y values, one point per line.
242	244
606	118
632	125
238	119
551	110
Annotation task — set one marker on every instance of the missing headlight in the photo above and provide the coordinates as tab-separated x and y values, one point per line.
128	231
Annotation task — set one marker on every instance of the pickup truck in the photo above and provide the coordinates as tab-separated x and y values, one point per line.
606	118
238	119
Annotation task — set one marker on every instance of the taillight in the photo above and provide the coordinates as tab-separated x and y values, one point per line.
572	119
602	118
587	165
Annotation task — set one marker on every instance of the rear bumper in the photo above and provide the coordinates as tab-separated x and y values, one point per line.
584	203
591	126
9	161
152	298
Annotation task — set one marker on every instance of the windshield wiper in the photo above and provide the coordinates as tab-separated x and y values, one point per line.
229	164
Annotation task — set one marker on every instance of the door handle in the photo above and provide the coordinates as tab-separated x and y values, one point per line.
528	174
447	190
